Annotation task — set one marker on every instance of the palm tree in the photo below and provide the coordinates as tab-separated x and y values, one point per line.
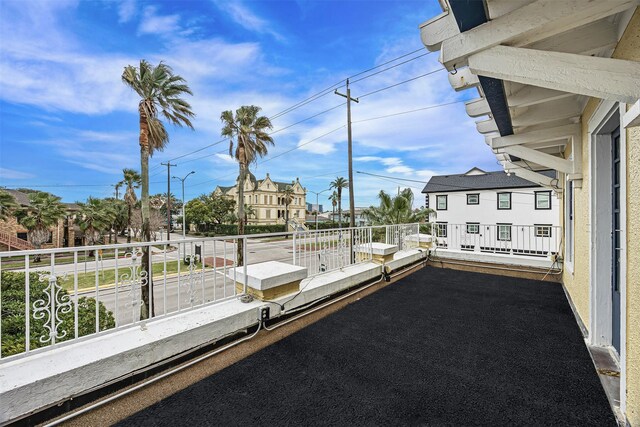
251	141
249	211
334	203
132	180
44	211
287	198
339	183
7	205
160	94
395	210
94	218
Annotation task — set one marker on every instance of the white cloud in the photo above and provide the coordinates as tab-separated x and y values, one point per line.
126	10
226	158
14	174
244	17
152	23
400	169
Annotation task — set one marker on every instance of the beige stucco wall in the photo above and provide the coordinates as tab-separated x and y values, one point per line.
577	282
629	48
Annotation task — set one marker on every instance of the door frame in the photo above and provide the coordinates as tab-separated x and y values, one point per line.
605	119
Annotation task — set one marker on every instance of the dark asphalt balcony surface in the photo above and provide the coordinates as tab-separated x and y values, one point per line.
439	347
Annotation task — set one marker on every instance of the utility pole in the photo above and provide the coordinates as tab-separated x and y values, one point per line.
352	218
168	165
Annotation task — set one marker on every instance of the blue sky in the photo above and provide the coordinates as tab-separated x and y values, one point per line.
68	122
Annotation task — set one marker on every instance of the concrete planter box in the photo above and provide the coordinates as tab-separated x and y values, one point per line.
268	280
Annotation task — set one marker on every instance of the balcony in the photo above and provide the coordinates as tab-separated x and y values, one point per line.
437	346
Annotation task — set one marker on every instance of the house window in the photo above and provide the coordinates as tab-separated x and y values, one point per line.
441	202
270	200
426	201
543	230
504	200
268	212
441	229
504	232
473	228
256	199
543	199
473	199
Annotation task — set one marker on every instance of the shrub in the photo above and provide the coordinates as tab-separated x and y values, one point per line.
13	314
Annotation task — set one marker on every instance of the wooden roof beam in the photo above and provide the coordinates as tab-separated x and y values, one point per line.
606	78
531	23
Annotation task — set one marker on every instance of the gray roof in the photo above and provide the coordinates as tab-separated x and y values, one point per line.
21	198
487	181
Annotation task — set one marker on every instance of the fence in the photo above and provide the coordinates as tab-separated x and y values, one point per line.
51	296
326	250
525	240
55	295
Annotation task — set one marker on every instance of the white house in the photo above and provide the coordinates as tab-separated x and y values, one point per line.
494	212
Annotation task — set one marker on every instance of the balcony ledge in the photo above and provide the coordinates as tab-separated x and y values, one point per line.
36	381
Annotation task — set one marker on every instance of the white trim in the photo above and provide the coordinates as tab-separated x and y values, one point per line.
632	117
600	126
607	78
540	19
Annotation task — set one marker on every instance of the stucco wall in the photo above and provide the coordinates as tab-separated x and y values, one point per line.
576	280
629	48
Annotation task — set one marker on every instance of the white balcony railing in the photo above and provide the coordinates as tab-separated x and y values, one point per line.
51	297
522	240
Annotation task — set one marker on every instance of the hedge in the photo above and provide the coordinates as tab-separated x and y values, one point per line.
211	230
13	314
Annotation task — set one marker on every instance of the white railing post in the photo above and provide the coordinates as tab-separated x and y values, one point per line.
294	246
244	265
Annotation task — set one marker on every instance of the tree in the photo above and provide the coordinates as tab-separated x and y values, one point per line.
339	183
44	211
131	180
94	218
395	210
160	93
249	212
209	209
120	218
287	198
7	205
334	203
249	133
13	314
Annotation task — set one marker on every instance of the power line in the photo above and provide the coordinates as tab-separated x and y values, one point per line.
389	68
315	97
401	83
409	111
391	177
271	158
339	84
388	62
308	118
301	145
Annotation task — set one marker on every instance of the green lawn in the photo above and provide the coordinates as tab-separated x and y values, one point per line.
108	276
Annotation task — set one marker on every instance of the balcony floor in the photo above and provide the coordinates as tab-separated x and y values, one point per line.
438	347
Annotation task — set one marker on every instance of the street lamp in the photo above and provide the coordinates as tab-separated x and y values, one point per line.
184	231
317	203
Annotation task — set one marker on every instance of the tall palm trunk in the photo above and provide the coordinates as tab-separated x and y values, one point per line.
243	174
146	285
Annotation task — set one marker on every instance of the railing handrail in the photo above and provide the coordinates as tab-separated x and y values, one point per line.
162	242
